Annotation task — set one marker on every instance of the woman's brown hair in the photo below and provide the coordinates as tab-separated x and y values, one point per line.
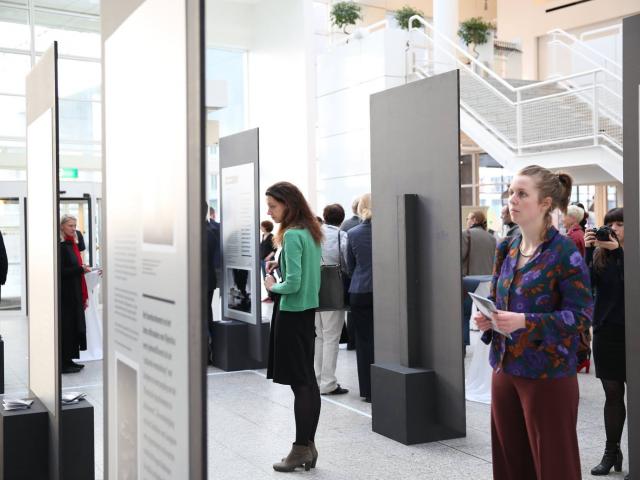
297	212
556	186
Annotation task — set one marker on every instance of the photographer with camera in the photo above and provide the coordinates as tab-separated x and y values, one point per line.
605	259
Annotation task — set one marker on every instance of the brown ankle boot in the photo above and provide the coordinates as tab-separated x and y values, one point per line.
299	456
314	452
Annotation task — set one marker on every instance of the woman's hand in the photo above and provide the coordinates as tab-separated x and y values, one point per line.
482	322
86	268
509	322
269	282
271	266
589	238
611	244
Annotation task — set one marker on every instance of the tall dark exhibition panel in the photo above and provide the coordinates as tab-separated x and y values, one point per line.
630	86
153	154
418	375
240	339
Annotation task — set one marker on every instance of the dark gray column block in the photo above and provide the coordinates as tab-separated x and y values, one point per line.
417	278
630	85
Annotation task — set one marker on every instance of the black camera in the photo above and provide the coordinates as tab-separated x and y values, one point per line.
603	234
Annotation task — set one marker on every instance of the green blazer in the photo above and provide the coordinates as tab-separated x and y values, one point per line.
300	267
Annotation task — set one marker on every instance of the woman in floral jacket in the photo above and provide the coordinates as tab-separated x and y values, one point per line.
541	287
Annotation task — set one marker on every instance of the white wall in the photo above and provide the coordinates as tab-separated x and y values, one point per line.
278	35
347	76
526	20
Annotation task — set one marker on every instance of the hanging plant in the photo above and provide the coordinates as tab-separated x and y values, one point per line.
344	14
403	15
475	31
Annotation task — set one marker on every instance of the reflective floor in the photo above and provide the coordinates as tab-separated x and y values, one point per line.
251	425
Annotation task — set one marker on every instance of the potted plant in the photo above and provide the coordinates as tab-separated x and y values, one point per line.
475	31
344	14
403	15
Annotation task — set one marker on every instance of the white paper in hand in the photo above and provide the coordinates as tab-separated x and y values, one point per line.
487	308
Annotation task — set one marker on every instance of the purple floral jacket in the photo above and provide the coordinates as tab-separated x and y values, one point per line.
553	291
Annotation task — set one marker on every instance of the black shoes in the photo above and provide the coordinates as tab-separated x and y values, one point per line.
612	459
79	366
367	399
338	391
68	368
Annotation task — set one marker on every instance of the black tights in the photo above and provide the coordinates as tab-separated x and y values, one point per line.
614	411
306	408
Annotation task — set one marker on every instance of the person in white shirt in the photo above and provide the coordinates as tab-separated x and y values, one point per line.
329	324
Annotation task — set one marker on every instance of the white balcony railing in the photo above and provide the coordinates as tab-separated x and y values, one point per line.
564	112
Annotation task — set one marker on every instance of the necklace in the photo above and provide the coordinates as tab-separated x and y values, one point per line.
525	255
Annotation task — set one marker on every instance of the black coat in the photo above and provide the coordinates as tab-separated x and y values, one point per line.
213	245
72	323
4	264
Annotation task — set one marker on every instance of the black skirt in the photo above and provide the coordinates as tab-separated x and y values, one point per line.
291	346
609	352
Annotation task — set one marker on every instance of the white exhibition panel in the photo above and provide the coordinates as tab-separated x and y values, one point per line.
147	259
42	245
238	212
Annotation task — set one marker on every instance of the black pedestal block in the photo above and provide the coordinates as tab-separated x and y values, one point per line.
77	442
403	403
24	443
240	346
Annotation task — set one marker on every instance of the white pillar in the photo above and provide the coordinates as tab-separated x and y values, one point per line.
445	21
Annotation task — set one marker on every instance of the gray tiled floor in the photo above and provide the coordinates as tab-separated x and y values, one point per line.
251	425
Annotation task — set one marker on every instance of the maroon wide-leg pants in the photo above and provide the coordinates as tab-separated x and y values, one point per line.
533	428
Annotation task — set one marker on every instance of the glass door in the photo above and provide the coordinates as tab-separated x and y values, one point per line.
11	227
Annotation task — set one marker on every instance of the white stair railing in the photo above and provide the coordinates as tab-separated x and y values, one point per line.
565	112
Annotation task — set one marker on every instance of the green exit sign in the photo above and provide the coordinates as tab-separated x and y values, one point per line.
68	173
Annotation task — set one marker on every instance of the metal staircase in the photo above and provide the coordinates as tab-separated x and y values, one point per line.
571	122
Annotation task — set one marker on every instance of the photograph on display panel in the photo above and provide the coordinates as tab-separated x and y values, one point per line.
239	293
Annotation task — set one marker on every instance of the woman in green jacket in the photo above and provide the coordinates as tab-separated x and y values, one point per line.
292	339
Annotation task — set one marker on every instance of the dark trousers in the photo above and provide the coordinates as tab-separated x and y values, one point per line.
533	428
362	315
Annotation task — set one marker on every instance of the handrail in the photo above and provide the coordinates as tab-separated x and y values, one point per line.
617	26
583	44
368	28
560	79
470	70
457	47
608	72
486	69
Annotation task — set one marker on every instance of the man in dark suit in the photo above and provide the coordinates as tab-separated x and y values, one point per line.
347	225
4	264
217	253
213	248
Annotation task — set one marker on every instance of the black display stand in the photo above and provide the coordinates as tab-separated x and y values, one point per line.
24	443
240	346
404	403
77	442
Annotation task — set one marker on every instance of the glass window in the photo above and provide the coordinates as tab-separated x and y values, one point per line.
76	6
612	197
79	80
12	116
228	65
14	28
13	70
13	159
78	36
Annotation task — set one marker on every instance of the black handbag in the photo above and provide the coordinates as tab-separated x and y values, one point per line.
331	296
